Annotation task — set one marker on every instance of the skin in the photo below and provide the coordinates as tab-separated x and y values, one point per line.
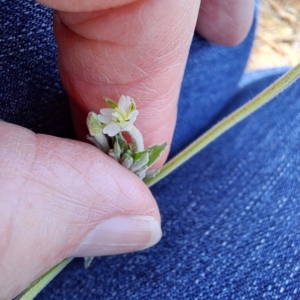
51	191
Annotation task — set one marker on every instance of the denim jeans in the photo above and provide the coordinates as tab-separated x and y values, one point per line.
230	215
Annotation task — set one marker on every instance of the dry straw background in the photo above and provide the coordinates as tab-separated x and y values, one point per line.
277	40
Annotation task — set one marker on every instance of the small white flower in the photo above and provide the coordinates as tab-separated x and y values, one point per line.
119	118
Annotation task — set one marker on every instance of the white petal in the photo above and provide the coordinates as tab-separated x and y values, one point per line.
104	119
124	103
132	116
128	99
106	111
111	129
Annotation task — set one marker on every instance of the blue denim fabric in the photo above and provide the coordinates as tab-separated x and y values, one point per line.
230	216
31	94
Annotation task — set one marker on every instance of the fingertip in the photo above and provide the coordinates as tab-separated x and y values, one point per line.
225	23
120	235
56	192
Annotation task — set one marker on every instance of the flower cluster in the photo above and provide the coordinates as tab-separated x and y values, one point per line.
119	117
105	131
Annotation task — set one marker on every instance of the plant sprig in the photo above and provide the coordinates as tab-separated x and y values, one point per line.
106	133
212	134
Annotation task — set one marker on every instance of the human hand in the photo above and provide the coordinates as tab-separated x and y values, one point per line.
137	48
63	198
55	192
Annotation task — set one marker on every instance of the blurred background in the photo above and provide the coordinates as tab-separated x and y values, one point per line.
278	36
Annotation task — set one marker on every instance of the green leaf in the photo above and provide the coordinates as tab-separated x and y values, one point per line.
138	155
119	139
141	162
111	104
87	261
117	150
93	124
155	152
152	173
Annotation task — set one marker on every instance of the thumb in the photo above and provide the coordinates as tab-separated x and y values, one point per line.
138	49
61	198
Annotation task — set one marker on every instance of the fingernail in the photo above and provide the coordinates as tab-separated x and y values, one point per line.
120	235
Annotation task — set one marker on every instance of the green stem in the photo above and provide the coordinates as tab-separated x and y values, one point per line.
240	114
208	137
41	282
